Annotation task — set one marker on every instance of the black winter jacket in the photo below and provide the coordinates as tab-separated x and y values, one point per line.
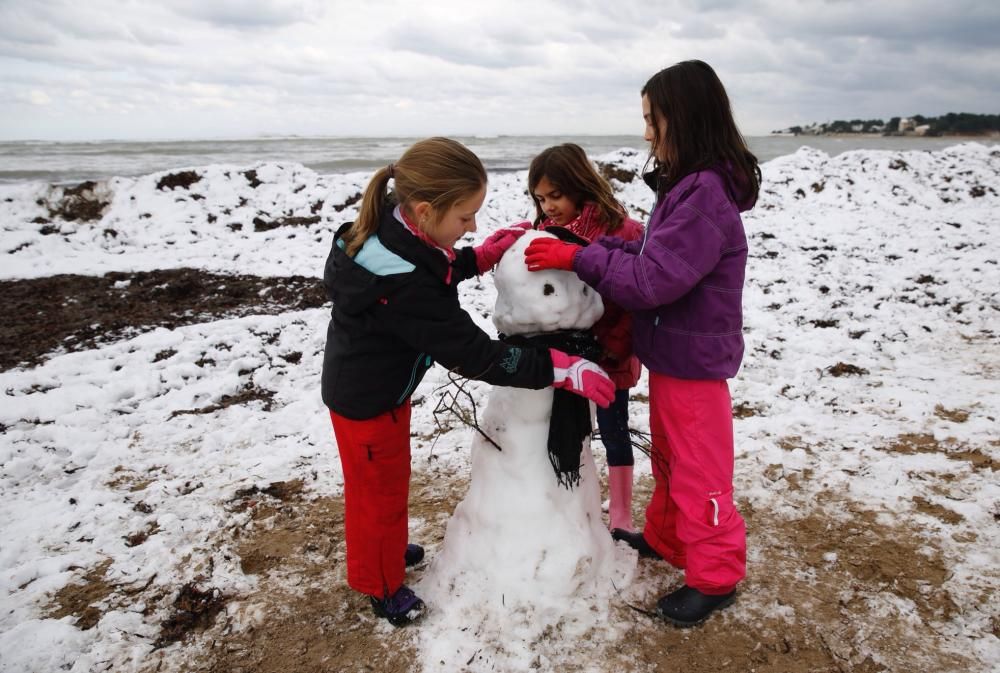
394	316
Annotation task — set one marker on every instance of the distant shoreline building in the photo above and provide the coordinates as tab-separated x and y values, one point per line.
956	124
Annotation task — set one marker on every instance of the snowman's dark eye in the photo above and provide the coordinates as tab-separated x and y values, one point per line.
586	290
548	289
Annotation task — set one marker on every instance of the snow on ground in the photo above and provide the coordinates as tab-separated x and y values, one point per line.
868	398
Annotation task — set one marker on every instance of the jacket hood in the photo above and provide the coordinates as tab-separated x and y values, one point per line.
350	286
354	286
736	184
739	188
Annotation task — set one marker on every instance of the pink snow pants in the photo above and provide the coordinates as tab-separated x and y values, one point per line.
375	455
691	520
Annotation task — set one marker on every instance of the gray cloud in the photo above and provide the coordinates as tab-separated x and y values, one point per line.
187	67
252	14
893	23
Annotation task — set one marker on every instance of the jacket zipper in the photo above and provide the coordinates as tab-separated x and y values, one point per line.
413	377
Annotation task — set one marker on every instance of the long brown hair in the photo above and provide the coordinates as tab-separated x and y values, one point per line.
439	171
701	131
570	171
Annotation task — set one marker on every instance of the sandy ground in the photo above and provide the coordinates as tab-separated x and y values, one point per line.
305	619
297	621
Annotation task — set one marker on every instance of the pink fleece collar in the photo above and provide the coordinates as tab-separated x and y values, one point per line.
449	253
588	223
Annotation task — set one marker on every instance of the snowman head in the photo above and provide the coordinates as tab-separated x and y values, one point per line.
529	302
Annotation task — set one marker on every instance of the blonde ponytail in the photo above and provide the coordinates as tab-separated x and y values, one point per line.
438	171
370	213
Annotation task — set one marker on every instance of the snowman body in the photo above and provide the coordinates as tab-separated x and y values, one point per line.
519	544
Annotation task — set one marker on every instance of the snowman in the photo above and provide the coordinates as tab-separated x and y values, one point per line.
525	549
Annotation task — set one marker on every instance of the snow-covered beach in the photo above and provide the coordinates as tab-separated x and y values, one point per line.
171	490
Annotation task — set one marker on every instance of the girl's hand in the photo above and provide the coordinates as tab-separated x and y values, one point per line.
582	377
493	248
550	253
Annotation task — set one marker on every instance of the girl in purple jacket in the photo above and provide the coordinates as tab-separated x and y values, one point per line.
683	284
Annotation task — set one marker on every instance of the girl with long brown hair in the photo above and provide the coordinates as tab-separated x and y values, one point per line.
683	284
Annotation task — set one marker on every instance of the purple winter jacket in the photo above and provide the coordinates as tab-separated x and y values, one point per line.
683	282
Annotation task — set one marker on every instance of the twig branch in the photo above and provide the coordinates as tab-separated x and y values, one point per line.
450	402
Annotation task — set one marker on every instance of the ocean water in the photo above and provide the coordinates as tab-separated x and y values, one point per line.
67	162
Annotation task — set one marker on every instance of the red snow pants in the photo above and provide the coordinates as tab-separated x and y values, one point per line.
691	520
375	455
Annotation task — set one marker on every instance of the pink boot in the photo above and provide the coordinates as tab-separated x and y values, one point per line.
620	488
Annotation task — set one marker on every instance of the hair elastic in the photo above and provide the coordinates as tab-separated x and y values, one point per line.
391	168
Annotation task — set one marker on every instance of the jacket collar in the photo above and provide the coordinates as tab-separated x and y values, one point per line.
398	238
449	253
654	179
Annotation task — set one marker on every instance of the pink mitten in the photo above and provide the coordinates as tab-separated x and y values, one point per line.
582	377
493	248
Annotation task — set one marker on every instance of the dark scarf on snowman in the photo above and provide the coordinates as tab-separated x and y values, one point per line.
570	422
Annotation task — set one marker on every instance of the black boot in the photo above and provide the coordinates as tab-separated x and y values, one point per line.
688	607
634	540
400	609
413	555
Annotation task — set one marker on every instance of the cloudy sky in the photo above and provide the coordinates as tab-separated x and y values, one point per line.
136	69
